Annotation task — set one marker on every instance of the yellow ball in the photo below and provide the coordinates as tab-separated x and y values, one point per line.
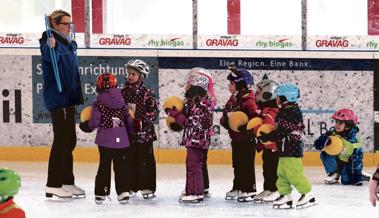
335	147
254	124
237	119
173	101
265	128
85	114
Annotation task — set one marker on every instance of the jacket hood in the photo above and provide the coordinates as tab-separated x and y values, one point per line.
112	98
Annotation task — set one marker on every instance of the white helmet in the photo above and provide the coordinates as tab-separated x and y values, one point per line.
268	88
140	66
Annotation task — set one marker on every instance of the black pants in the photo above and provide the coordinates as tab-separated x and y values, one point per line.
270	166
205	171
243	157
103	177
142	166
60	170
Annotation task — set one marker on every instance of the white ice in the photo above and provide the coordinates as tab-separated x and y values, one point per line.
333	200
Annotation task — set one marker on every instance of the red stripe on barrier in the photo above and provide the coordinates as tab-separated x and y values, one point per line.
234	17
77	11
97	16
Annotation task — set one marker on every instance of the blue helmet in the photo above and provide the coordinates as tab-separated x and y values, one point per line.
239	76
290	91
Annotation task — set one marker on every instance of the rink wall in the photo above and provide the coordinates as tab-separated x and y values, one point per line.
327	80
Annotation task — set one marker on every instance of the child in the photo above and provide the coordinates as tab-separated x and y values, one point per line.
349	163
196	120
289	128
243	147
10	183
110	116
141	100
265	97
373	187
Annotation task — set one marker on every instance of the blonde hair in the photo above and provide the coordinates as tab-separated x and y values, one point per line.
56	17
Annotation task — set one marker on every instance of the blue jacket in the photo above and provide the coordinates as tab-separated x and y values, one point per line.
111	117
68	71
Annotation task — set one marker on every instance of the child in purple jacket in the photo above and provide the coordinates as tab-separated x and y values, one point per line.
196	120
111	118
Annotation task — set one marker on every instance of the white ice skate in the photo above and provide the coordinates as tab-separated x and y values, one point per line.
123	198
58	192
332	178
147	194
131	194
191	199
259	197
246	196
283	202
75	190
232	194
306	200
207	194
99	199
269	199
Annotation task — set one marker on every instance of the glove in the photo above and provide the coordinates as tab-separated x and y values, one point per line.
328	142
176	127
224	122
243	129
84	127
137	125
266	137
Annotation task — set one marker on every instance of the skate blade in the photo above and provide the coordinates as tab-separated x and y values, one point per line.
310	203
247	199
56	198
149	196
331	183
258	201
230	198
193	202
78	196
268	202
123	201
287	205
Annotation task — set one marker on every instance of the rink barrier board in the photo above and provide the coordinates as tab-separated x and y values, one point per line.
162	156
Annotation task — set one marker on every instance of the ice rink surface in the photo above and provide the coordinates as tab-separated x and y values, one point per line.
332	200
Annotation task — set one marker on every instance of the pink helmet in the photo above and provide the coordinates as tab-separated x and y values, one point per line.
345	115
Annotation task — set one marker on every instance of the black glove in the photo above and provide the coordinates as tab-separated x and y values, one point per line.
243	129
84	127
176	127
267	136
224	122
328	142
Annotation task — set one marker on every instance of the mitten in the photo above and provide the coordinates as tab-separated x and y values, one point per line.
85	127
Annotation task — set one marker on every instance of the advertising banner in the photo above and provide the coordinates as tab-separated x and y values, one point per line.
30	39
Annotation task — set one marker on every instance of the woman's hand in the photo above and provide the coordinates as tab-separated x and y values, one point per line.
52	42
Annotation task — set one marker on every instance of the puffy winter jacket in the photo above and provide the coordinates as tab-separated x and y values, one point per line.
67	62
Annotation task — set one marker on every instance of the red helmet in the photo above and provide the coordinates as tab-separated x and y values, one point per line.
106	81
345	115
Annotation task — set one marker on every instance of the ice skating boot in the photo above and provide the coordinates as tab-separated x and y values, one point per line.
306	200
99	199
191	199
366	176
271	197
207	194
332	178
123	198
246	196
132	193
232	194
283	201
75	190
147	194
359	183
259	197
58	192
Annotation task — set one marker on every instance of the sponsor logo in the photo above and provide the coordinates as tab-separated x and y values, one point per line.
281	43
115	40
336	42
174	42
224	41
12	39
7	111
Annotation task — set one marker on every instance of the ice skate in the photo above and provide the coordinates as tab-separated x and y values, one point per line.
191	199
147	194
99	199
366	176
269	199
132	193
259	197
58	192
359	183
123	198
306	200
232	194
283	202
246	196
75	191
207	194
332	178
